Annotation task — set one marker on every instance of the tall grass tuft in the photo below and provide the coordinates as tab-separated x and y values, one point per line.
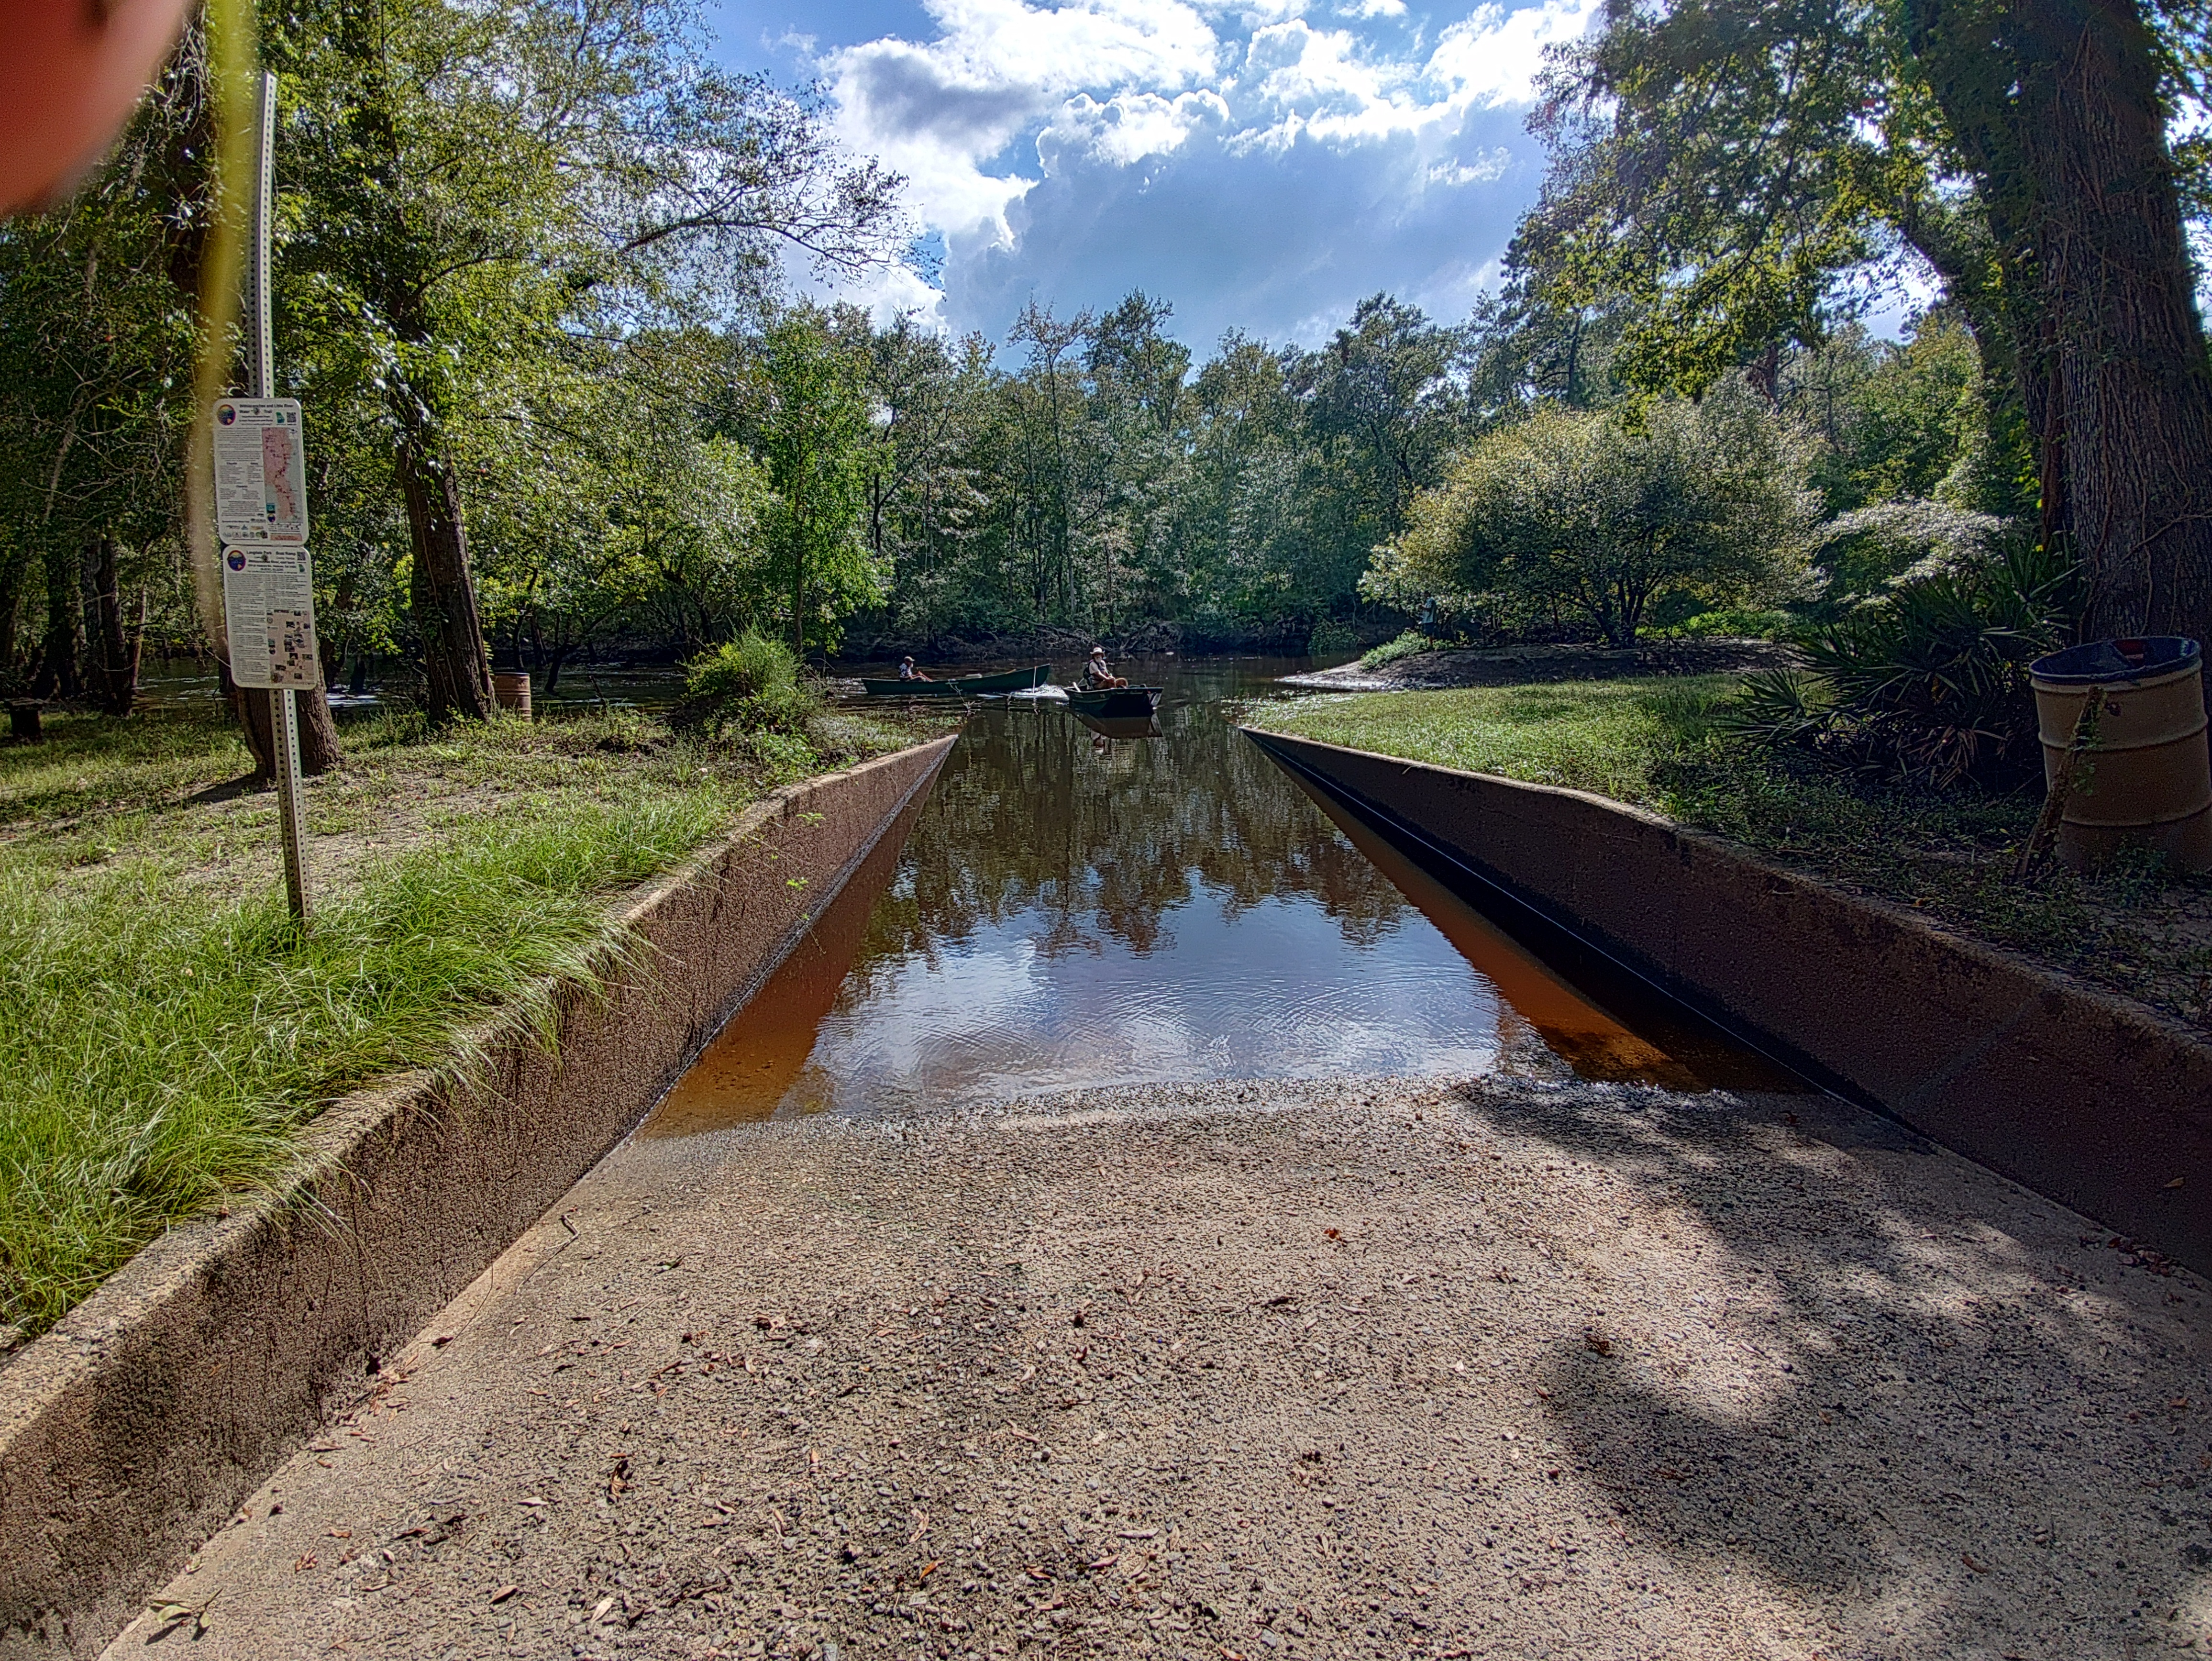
1407	645
158	1051
750	684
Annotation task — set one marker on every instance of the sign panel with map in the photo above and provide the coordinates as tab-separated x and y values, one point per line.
260	473
268	614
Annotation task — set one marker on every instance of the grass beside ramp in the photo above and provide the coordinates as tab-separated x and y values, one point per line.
164	1033
2137	928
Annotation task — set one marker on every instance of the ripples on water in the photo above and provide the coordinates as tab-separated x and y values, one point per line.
1068	910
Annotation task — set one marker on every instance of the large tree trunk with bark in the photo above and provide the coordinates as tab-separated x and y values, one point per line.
256	713
2127	449
443	592
2061	121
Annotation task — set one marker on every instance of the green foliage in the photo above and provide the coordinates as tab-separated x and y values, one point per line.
1715	168
1385	403
1093	478
810	419
1737	623
1405	646
505	226
750	666
1744	179
751	682
1908	420
1600	514
1929	683
97	337
1782	707
1330	638
1865	552
522	284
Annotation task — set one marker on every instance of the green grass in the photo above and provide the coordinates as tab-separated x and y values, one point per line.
1608	736
164	1033
2137	929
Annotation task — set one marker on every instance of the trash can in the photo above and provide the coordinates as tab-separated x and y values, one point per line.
513	692
2123	726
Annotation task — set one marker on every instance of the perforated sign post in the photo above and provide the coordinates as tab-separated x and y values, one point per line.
261	522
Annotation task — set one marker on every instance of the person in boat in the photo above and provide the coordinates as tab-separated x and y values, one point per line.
907	671
1097	676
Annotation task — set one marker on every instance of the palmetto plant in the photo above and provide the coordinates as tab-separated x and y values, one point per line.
1930	682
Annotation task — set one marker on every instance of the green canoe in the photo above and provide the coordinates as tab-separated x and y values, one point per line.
961	686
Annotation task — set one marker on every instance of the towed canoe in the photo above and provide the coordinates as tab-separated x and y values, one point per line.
909	689
960	686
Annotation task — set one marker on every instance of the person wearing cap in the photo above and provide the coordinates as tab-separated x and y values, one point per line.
1098	675
907	671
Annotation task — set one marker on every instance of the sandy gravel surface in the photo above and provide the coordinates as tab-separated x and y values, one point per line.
1414	1370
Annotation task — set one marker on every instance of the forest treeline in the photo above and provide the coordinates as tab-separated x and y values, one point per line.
533	288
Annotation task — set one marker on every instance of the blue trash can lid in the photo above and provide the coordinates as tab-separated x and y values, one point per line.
2116	662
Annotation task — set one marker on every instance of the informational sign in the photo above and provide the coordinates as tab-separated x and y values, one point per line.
269	613
260	473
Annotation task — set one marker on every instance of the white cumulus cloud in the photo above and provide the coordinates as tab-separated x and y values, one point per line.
1127	127
1261	162
942	111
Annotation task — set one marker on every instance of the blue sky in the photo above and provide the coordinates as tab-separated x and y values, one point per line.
1261	165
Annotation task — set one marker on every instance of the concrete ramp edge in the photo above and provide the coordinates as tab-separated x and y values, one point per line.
2092	1100
130	1432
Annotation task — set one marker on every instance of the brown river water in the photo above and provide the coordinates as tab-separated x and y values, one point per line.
1071	907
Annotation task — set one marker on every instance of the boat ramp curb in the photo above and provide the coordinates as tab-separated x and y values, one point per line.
2096	1102
131	1431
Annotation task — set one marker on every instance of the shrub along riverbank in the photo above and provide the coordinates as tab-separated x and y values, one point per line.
164	1034
2137	929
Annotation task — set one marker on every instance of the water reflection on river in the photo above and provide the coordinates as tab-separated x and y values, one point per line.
1075	908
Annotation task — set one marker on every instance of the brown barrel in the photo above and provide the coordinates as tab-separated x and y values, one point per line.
512	692
2143	776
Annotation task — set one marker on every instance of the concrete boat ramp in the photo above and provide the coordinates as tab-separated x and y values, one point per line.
1493	1367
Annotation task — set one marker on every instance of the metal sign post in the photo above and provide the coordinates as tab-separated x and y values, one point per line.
261	369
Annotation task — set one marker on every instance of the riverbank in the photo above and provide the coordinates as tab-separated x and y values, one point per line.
1516	666
168	1038
1491	1364
2136	930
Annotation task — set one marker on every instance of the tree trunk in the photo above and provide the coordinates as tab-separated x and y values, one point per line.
443	593
117	651
318	728
257	724
798	595
2129	448
11	600
57	664
331	649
